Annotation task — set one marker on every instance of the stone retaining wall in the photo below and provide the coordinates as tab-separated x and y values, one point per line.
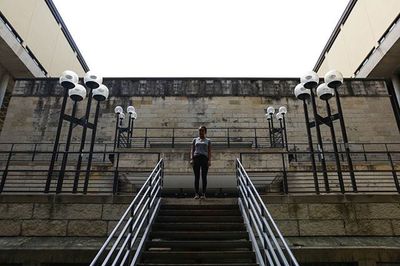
217	103
336	215
301	216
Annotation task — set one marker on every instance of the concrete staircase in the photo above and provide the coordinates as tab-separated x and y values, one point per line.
198	232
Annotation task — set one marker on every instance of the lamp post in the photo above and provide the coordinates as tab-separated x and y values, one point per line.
67	80
132	116
310	81
280	116
91	81
119	129
77	93
100	94
283	111
304	94
334	79
325	93
269	112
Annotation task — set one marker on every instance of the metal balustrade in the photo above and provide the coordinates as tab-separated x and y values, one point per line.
125	243
268	243
26	171
374	171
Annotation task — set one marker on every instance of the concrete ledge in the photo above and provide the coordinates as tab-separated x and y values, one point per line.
49	249
79	198
333	198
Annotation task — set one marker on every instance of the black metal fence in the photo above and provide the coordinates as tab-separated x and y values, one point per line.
291	171
147	137
26	169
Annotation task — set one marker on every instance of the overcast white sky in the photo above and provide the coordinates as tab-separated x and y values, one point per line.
207	38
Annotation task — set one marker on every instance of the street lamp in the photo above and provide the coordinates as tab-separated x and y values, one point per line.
280	116
334	79
325	91
269	112
77	93
132	116
283	111
92	81
99	95
310	81
68	80
304	94
120	130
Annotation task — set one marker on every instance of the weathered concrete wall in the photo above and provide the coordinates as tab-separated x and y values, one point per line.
167	103
336	215
344	227
315	215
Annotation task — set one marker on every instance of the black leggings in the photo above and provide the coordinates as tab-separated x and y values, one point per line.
200	161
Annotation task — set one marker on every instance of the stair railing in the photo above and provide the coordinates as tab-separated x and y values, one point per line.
124	244
268	243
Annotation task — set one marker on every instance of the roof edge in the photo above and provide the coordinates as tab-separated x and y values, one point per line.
67	34
335	33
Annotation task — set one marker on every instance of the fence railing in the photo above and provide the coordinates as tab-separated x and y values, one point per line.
175	137
292	172
124	244
268	243
110	172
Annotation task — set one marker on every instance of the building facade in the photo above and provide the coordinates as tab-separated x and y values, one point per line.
34	42
366	43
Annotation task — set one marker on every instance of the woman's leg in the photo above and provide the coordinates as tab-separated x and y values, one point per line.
204	171
196	170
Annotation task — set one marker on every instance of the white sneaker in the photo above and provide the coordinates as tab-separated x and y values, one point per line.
203	196
196	196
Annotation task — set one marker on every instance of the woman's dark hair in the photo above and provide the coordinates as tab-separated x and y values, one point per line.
203	127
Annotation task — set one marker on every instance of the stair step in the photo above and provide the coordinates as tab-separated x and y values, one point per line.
180	219
199	207
198	257
203	235
199	226
195	264
200	245
206	212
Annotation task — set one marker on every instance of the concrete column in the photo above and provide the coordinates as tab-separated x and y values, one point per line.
396	85
3	86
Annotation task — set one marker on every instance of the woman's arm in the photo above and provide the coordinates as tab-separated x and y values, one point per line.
209	154
191	152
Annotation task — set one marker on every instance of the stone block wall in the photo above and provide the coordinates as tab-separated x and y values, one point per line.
336	215
69	216
296	216
187	103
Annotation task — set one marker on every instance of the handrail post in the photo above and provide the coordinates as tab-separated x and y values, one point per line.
145	138
255	138
5	172
395	178
149	199
129	245
285	183
116	174
173	137
365	155
34	152
228	138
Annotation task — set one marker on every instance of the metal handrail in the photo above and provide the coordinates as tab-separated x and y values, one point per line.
123	246
286	163
268	243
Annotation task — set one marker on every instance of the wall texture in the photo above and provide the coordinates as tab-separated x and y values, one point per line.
188	103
